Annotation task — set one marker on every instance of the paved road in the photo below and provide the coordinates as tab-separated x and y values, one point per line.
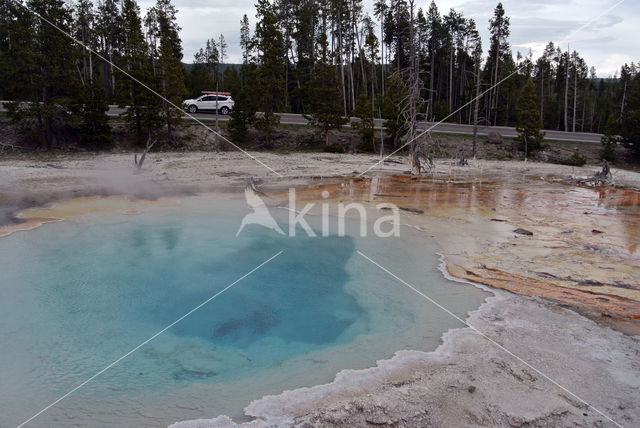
443	128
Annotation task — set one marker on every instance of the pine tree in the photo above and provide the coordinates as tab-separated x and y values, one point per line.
43	60
83	30
242	115
269	79
142	106
200	76
394	109
324	102
499	56
222	49
95	132
610	139
166	15
365	124
108	26
529	120
245	39
17	59
171	85
630	127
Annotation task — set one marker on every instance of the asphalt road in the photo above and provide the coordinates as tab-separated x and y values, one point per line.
443	128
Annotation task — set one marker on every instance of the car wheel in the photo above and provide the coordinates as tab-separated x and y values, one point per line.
193	109
224	110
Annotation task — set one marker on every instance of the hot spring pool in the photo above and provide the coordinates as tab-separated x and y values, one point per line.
80	293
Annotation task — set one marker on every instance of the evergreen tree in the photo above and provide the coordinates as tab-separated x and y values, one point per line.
395	109
108	26
365	124
499	57
142	106
630	127
529	120
168	28
222	49
242	115
95	132
83	30
610	139
269	92
324	102
200	76
171	85
245	39
43	60
17	59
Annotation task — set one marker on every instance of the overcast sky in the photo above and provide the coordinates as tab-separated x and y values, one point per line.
606	44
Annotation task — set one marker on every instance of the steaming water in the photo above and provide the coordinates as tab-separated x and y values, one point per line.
80	293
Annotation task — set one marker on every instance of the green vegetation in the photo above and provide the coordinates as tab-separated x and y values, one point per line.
575	160
529	120
325	102
365	124
630	123
326	59
334	148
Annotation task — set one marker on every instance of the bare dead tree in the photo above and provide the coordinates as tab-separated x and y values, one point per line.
414	91
600	178
8	146
605	172
138	164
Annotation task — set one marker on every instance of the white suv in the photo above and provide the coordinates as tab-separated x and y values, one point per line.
221	101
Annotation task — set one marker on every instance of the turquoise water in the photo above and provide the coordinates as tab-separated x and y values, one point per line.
79	294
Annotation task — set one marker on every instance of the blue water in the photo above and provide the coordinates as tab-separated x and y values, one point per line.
79	294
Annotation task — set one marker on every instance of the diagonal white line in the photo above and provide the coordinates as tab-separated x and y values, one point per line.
148	88
589	22
149	339
499	346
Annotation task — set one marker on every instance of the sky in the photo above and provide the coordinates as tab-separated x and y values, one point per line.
606	43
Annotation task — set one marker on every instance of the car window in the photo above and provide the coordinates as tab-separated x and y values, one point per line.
208	99
222	98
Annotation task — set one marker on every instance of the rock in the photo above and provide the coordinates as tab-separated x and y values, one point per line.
494	137
516	421
523	232
471	389
596	232
412	210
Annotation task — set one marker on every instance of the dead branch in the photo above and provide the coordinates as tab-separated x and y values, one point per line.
138	164
600	178
252	185
8	146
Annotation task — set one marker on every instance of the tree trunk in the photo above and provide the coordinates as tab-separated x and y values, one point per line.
493	102
476	110
566	96
431	80
575	95
344	88
542	95
451	80
413	88
382	51
624	97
